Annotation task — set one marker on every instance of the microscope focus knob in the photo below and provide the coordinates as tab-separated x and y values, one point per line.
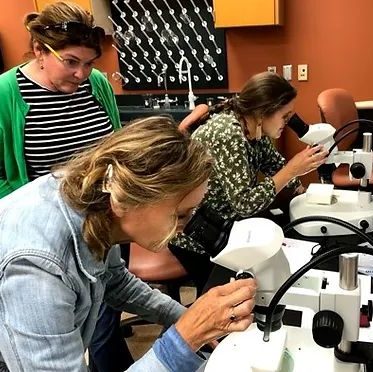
357	170
364	224
327	328
244	275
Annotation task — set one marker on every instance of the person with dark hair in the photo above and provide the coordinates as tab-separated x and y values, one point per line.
52	107
140	185
239	134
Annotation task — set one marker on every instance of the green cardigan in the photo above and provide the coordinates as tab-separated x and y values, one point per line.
13	110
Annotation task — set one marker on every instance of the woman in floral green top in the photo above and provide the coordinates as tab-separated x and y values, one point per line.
239	135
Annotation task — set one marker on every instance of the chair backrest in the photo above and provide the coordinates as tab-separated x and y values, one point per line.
154	267
337	107
190	122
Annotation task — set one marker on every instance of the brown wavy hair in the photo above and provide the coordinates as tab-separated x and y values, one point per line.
57	13
151	161
262	95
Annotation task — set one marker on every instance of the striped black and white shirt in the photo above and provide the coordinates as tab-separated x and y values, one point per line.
59	124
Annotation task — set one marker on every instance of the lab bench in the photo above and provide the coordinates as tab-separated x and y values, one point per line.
133	106
128	113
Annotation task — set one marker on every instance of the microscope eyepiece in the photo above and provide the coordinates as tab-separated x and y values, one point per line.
298	125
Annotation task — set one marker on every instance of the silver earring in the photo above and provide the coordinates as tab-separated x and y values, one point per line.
258	133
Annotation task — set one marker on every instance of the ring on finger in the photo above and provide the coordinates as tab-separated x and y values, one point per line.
233	316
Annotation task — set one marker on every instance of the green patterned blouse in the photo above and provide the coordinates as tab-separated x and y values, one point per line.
234	190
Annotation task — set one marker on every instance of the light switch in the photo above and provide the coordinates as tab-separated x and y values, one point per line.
286	72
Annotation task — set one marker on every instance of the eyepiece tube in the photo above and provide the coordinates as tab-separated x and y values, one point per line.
298	125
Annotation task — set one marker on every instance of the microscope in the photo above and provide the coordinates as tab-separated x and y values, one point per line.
328	343
355	207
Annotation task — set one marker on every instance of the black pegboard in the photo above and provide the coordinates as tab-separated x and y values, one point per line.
145	44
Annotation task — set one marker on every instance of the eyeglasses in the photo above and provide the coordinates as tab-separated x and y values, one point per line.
78	30
69	63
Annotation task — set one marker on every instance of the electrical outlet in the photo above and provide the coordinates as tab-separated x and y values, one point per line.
287	72
302	72
272	69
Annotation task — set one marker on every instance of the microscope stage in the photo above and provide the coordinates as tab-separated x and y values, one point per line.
290	349
346	205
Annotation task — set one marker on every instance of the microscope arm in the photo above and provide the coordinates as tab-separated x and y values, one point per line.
315	261
359	160
255	247
257	241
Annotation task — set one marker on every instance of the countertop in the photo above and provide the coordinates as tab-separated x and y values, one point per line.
128	113
363	105
132	106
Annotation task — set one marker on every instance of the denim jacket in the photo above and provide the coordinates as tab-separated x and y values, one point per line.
51	288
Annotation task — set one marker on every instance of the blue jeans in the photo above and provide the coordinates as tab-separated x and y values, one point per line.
108	351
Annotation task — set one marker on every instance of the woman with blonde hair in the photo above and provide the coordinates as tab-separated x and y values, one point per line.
53	106
139	185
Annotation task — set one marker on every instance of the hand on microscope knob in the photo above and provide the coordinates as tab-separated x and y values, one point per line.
307	160
223	309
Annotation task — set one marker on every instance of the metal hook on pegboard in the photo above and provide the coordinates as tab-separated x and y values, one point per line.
157	33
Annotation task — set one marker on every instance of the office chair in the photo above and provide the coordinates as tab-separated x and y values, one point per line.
160	268
337	107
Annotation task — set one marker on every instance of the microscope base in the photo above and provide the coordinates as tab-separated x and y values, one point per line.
290	349
346	205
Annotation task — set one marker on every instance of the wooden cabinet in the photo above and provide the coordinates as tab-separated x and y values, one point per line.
235	13
100	10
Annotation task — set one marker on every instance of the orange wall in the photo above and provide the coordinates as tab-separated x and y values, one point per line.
334	37
13	36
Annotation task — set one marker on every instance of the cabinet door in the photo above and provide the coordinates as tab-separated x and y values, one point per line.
100	9
41	4
236	13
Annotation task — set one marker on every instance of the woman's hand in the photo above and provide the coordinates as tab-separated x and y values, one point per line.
221	310
307	160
